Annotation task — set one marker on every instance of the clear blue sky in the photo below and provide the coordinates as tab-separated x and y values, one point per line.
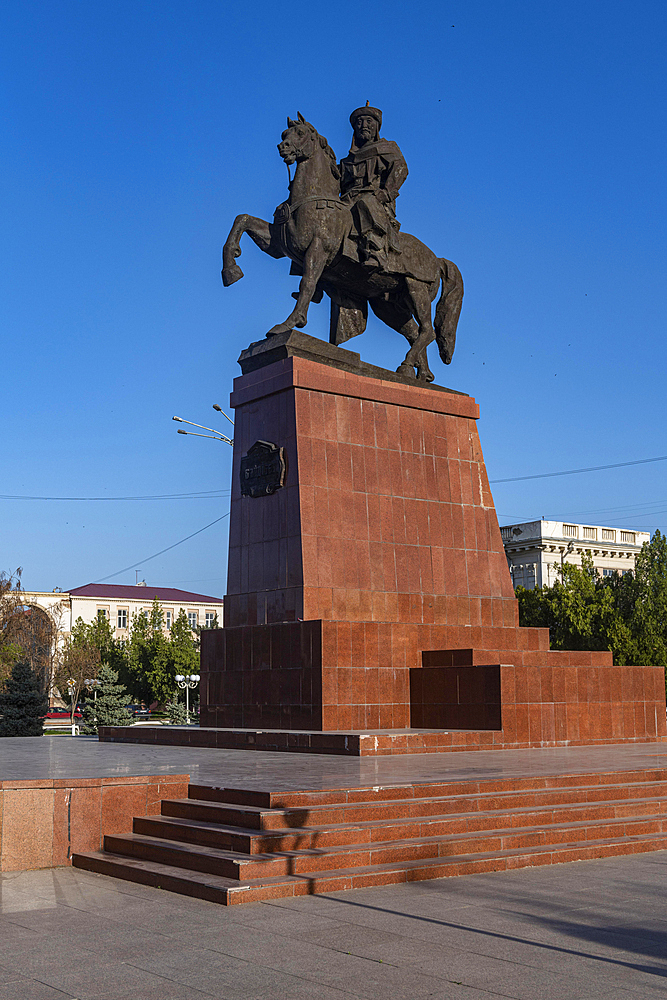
134	132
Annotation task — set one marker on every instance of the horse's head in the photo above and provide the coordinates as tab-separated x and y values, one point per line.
301	140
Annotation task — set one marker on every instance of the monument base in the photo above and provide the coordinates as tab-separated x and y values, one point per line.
368	588
358	743
358	678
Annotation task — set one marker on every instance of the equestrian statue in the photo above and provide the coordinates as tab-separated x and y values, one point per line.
339	229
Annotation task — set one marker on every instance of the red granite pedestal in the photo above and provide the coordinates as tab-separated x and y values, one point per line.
371	591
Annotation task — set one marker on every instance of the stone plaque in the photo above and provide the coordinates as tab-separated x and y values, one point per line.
262	469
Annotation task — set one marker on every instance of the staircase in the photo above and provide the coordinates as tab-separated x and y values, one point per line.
229	846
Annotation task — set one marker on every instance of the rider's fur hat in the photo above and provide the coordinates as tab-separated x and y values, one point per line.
368	110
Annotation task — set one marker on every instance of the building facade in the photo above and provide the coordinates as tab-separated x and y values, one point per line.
536	550
119	603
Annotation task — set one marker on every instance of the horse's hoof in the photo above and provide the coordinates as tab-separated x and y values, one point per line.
231	274
406	369
279	328
425	376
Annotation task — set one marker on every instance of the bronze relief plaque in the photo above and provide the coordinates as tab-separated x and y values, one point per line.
262	469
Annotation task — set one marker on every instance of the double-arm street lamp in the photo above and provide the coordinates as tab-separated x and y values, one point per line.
216	435
187	682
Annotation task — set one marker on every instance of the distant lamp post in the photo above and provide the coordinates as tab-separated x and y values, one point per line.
92	684
215	435
187	682
568	550
71	687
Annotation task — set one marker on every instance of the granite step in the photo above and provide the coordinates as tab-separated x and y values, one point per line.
331	796
220	889
239	865
248	841
257	817
240	845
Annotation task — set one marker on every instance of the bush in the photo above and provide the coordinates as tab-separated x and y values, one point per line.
108	709
23	705
177	713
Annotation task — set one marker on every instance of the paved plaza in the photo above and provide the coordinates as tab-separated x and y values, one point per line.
579	931
582	931
85	757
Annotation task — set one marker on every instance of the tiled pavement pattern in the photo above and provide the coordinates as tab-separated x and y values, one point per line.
589	931
67	757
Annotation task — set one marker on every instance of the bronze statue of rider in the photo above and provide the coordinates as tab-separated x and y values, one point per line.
371	175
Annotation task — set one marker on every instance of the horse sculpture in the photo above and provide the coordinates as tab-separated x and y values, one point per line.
314	228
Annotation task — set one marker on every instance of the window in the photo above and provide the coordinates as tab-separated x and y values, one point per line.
571	530
168	618
210	619
628	536
122	618
609	572
103	611
591	533
506	534
192	619
608	535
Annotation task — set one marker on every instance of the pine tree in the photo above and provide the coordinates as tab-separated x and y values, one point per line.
22	706
177	713
108	709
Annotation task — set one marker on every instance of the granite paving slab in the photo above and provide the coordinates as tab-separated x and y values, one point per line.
78	757
595	929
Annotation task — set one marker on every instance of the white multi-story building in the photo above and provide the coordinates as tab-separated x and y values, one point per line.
536	550
119	603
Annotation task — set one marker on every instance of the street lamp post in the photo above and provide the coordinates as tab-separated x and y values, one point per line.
216	435
92	684
71	687
187	682
570	547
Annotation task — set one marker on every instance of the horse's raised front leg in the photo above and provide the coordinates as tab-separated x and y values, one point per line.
313	266
259	232
419	292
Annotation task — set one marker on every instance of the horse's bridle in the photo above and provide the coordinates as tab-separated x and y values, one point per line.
284	211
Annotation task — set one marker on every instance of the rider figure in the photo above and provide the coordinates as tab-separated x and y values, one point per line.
371	175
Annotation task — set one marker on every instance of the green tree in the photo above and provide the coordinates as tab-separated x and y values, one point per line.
184	646
177	713
23	704
150	664
108	708
626	614
649	603
100	634
80	662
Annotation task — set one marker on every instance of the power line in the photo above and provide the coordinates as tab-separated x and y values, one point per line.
205	495
572	472
162	551
637	511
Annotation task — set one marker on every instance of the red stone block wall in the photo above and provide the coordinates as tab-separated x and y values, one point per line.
461	697
44	821
386	514
379	557
335	676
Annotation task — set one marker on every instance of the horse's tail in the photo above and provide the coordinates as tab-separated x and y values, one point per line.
448	309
